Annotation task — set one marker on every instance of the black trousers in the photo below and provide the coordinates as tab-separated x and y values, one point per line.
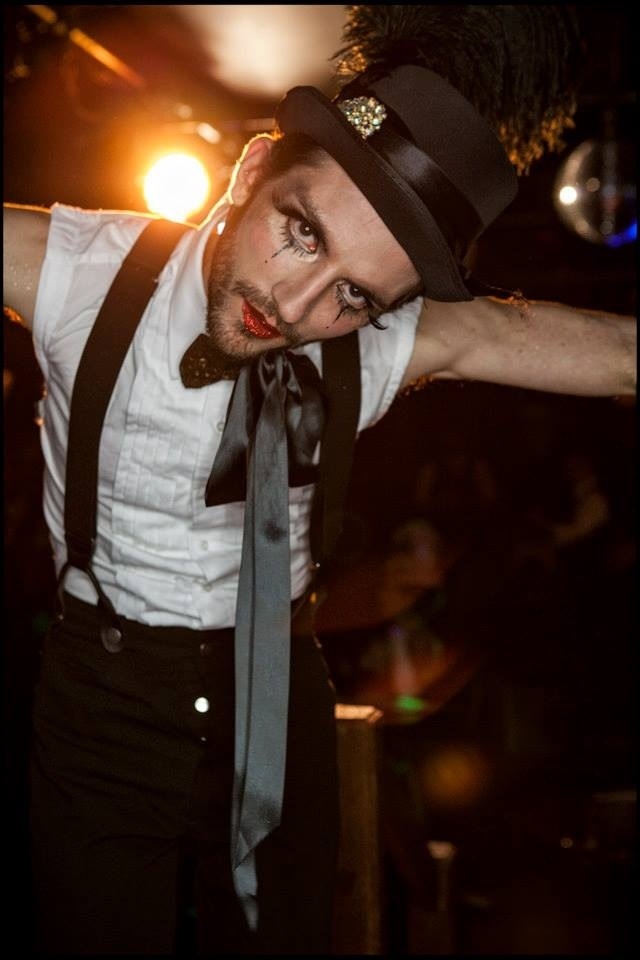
131	778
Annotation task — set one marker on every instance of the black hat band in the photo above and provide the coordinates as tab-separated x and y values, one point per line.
458	221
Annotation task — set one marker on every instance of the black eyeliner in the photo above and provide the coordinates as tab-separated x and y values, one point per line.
287	209
286	246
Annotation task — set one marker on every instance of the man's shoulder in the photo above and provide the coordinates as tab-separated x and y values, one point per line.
80	230
396	327
99	214
133	218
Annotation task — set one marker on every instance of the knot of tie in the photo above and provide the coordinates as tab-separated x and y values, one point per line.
276	414
279	391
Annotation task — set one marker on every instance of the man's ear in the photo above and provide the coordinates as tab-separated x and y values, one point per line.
249	167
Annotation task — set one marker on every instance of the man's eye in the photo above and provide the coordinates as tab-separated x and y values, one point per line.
353	296
304	235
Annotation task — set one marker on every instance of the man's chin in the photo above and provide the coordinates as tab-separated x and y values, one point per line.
229	359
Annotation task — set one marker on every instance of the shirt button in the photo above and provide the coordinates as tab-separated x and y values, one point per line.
205	649
201	705
220	425
208	587
204	544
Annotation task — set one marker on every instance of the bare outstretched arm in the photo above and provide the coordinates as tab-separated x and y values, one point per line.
25	241
535	345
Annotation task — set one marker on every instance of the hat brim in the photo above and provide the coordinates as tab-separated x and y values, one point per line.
305	110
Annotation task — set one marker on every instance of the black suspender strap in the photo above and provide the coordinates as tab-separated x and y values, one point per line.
100	364
97	373
341	385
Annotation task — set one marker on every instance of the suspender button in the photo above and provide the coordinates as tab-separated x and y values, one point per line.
111	639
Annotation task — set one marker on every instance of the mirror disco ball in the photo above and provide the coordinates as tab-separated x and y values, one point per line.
594	192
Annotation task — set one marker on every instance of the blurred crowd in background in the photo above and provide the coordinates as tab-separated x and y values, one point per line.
485	603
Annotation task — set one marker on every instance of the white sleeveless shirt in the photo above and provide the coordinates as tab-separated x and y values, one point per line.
162	556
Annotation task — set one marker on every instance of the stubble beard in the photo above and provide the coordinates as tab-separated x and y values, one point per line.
230	344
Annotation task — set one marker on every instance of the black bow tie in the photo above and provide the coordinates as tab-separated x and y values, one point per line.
202	364
275	416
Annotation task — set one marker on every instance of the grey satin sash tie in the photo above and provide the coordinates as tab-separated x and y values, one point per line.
275	414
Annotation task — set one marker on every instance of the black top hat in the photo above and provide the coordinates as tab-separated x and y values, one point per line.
422	156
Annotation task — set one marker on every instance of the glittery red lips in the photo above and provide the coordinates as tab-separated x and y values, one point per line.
256	324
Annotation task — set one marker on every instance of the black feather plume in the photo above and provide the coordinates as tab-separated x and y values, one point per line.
519	65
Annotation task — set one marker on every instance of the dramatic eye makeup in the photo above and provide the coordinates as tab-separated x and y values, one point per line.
302	234
346	294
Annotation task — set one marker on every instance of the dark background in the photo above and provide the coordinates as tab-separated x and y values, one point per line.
544	857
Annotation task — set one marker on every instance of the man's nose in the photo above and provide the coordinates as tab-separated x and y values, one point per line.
296	299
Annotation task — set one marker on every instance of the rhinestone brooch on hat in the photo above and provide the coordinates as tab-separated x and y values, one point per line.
364	113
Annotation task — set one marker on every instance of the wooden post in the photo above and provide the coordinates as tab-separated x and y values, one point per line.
357	925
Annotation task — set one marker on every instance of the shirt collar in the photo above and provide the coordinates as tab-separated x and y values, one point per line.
188	299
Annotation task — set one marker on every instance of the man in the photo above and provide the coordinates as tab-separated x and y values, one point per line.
155	730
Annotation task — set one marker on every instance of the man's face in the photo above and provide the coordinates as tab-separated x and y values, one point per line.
305	258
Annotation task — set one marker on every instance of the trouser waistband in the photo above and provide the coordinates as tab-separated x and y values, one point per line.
81	614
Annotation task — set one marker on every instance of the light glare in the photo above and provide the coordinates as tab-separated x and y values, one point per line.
176	186
568	195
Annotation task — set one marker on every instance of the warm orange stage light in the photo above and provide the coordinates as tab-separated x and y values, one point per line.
176	186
